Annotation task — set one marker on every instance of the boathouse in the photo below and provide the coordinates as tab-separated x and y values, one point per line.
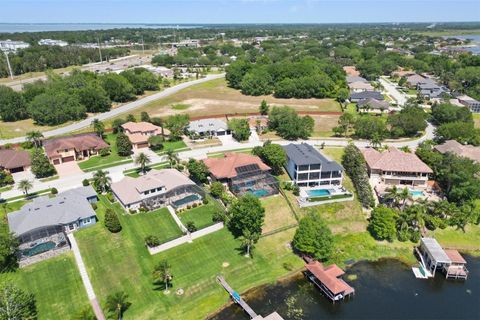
328	279
433	257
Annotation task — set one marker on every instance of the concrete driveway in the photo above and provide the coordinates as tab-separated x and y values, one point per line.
228	140
67	169
392	91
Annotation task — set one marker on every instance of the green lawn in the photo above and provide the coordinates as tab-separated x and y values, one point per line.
56	284
476	119
173	145
201	216
104	162
159	223
121	262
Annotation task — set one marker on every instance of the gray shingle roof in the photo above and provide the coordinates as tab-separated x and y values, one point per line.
305	154
367	94
205	125
63	209
436	250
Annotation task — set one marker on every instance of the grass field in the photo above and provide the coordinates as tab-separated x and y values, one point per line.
277	213
215	98
476	119
159	223
201	216
56	284
121	262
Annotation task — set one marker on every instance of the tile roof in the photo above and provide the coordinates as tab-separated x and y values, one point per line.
329	277
10	158
305	154
394	160
222	168
351	70
66	207
129	189
141	127
360	85
455	256
79	142
467	151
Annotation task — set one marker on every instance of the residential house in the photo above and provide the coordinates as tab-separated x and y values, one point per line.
357	96
206	128
352	79
243	173
73	148
156	189
415	79
14	160
373	105
139	132
41	225
395	167
258	123
351	71
359	86
466	151
307	167
402	73
431	90
472	104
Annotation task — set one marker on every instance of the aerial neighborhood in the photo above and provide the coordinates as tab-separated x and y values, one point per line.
150	173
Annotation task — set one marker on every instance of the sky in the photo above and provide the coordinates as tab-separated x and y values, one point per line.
237	11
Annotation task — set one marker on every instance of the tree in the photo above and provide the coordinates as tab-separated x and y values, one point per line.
25	185
240	129
345	124
130	118
85	314
273	155
101	181
246	214
111	221
156	142
248	240
94	98
16	303
54	108
177	125
217	189
198	170
257	82
12	105
144	117
465	133
286	122
98	127
264	108
142	160
158	122
368	127
117	304
313	237
117	87
40	165
408	122
124	146
235	73
34	137
172	157
162	274
382	224
8	249
446	112
117	125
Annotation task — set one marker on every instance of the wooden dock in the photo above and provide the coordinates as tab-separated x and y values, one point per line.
236	297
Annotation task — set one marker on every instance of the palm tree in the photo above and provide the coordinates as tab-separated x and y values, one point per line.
404	195
142	160
25	185
85	314
117	304
35	137
376	141
98	127
101	180
172	157
393	195
248	240
162	273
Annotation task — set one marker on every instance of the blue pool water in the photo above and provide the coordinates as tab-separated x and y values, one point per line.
259	193
187	199
416	193
318	192
40	248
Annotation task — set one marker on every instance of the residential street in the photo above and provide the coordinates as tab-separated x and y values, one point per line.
392	91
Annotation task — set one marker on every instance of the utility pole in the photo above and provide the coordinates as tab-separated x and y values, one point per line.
143	46
99	49
8	65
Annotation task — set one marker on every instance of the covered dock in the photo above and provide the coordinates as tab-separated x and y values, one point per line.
328	280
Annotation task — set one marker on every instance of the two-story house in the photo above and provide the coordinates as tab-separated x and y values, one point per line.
307	167
73	148
139	132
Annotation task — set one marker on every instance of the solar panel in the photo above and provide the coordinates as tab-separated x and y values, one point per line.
247	168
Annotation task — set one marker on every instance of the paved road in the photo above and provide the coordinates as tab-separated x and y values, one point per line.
117	111
391	89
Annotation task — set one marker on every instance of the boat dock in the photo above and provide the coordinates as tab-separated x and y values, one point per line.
236	298
328	280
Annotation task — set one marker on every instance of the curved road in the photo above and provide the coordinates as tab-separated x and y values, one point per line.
117	111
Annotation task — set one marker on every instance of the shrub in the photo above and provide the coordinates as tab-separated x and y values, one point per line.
26	145
218	216
94	206
111	221
296	190
194	205
191	226
189	206
205	201
152	241
85	182
104	152
54	191
217	189
109	197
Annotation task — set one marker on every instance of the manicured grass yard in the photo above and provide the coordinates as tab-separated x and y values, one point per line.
159	223
56	284
98	161
476	119
173	145
121	262
201	216
277	213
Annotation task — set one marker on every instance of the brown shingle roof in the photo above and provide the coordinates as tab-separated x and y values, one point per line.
79	142
394	160
222	168
455	256
459	149
10	159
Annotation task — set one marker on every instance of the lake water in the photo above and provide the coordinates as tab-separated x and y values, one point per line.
36	27
386	289
475	38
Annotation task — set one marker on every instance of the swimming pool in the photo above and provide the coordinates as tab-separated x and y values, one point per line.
416	193
318	192
187	199
259	193
39	248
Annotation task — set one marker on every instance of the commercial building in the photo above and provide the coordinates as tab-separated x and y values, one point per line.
12	46
51	42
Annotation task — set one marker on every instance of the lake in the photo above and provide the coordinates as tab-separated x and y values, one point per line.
37	27
386	289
